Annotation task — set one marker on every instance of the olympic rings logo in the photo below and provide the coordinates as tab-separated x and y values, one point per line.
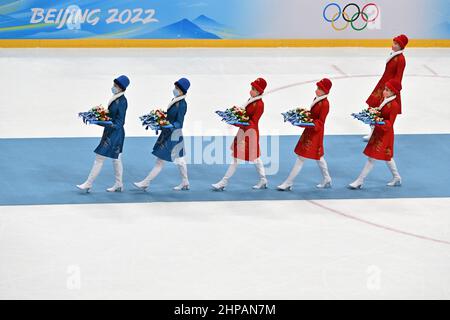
342	12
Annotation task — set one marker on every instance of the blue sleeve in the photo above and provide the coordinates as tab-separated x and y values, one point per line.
182	108
119	121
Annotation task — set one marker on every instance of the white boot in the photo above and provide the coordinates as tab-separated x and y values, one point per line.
144	184
182	167
326	182
86	187
182	187
367	138
288	183
96	168
262	184
358	183
118	174
220	186
396	180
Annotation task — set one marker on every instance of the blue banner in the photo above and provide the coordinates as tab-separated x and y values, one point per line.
231	19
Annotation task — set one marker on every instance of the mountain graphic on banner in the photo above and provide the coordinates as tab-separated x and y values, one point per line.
204	22
183	29
212	26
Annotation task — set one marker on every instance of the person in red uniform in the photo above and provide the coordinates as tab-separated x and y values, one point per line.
381	143
246	143
395	67
310	144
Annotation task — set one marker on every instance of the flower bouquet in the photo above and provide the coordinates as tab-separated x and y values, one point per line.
155	120
369	116
234	115
300	117
97	115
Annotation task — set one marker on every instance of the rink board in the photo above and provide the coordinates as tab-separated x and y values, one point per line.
222	43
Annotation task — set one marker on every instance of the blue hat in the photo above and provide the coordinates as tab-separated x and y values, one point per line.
183	84
123	82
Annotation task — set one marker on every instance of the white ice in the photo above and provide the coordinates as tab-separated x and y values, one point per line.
282	250
209	250
49	87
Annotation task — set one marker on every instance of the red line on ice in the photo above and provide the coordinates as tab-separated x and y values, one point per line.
380	226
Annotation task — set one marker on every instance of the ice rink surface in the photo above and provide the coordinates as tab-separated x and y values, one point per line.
266	249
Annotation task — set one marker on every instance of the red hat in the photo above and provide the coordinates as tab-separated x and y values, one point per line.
402	40
325	85
394	85
259	84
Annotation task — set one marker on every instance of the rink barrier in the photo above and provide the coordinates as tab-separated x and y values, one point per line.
223	43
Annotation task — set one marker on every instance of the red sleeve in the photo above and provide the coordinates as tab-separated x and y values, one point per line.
319	122
257	109
372	102
401	64
389	122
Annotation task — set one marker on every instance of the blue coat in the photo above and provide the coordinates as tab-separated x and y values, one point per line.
111	144
170	143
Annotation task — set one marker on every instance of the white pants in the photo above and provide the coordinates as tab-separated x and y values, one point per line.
97	168
233	166
323	166
371	163
159	165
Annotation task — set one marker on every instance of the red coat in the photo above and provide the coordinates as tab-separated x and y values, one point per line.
394	70
310	144
246	143
381	144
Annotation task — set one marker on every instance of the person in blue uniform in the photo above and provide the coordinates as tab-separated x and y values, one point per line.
111	144
170	145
